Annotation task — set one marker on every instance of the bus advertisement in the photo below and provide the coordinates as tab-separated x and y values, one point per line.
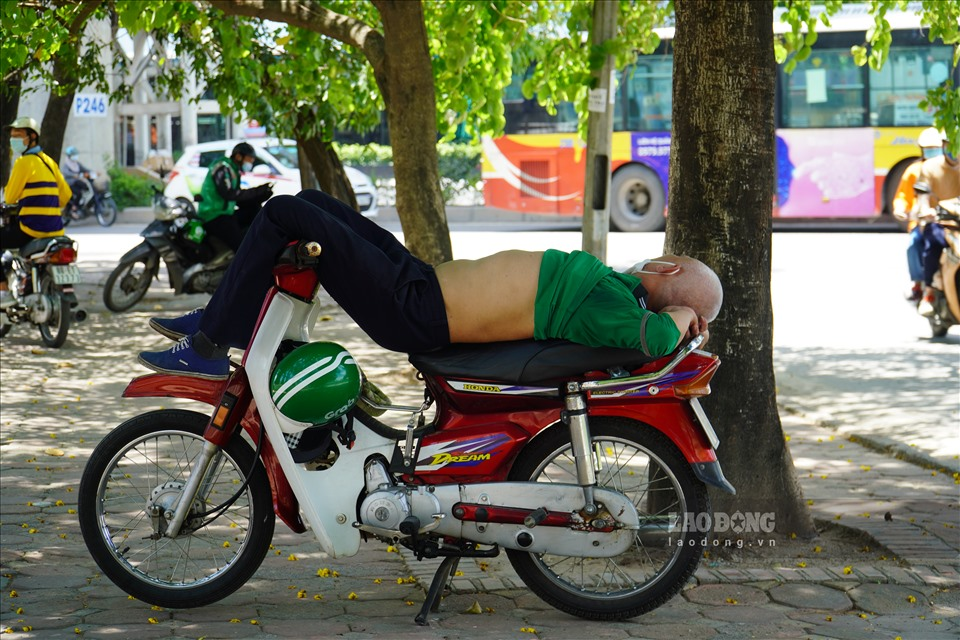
844	133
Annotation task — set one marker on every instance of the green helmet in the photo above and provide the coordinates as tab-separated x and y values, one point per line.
316	383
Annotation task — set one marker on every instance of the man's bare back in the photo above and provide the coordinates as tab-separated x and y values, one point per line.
492	298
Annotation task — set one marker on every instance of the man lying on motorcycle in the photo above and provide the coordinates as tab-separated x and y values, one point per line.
225	209
406	305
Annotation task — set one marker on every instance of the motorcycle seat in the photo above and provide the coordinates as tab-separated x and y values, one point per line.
525	361
39	245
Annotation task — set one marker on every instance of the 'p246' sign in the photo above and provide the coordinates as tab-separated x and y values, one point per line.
90	105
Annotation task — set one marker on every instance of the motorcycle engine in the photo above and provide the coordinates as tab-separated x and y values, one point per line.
387	505
40	308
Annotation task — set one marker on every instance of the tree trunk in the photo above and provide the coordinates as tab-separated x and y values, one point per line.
55	117
9	103
412	118
721	199
328	170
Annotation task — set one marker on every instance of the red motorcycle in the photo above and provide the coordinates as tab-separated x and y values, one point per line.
583	464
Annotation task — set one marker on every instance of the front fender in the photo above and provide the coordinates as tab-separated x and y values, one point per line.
143	251
164	385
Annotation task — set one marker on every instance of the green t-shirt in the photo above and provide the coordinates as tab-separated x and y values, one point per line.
582	300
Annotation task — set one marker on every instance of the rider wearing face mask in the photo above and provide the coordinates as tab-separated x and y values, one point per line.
225	209
37	184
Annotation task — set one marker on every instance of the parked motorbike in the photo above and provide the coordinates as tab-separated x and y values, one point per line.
40	278
583	464
195	261
95	200
946	282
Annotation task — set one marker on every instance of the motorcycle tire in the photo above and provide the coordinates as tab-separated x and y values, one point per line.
5	329
107	213
128	283
144	463
640	462
53	332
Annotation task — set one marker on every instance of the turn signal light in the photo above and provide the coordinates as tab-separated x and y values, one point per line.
699	386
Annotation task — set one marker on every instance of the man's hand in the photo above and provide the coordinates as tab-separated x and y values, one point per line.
688	322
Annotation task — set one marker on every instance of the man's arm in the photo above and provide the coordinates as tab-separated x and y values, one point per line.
224	185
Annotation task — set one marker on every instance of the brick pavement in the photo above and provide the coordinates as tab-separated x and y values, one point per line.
60	403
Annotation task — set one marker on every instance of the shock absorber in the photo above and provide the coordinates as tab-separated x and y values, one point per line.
575	417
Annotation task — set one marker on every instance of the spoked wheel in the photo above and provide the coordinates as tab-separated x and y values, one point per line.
641	463
53	331
132	482
107	212
128	283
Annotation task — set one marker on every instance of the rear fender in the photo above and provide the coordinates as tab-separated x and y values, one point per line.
161	385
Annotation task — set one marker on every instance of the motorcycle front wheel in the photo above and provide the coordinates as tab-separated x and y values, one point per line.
641	463
128	283
53	331
107	212
136	475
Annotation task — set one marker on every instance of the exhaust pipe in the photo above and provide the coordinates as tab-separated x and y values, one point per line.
79	315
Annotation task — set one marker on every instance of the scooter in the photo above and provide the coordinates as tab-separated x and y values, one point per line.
946	282
195	261
40	278
95	200
584	464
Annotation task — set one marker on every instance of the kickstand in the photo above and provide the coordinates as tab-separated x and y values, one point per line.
446	569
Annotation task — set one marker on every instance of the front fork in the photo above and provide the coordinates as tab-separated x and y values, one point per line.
575	417
234	401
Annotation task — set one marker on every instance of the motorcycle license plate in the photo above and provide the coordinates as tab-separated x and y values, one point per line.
65	273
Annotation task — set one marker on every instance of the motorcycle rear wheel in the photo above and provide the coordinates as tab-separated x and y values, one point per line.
641	463
53	332
128	283
107	213
146	461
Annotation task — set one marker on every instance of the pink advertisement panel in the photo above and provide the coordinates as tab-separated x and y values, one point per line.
826	173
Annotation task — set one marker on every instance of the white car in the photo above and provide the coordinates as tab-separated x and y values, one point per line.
276	162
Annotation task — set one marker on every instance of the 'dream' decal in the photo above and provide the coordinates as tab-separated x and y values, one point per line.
459	453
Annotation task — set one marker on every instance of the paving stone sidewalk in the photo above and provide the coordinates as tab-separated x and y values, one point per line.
57	404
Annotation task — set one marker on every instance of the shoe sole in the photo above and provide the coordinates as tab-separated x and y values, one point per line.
188	374
166	333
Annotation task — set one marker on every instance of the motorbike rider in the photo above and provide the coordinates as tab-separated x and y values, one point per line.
225	209
942	175
406	305
38	186
905	208
74	172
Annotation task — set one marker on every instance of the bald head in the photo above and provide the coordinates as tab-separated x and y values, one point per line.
695	286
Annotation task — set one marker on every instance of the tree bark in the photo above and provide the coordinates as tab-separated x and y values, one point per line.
722	185
9	103
412	118
400	59
57	114
328	170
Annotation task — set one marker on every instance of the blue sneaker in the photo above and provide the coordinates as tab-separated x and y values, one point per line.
181	359
175	328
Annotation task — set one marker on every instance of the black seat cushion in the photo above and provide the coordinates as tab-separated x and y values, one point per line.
525	361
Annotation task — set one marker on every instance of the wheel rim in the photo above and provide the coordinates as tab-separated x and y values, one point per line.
149	472
131	284
640	475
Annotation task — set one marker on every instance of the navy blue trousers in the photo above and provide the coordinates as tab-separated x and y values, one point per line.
393	296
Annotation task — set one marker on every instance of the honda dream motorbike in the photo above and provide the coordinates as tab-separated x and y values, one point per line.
581	463
40	278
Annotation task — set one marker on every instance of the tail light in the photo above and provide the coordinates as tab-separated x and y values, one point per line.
698	386
298	281
66	255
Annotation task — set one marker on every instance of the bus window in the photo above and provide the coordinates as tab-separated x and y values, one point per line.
902	83
645	95
825	90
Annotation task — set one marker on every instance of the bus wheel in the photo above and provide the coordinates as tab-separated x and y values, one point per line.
637	200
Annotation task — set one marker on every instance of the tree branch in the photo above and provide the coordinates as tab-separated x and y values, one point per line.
312	16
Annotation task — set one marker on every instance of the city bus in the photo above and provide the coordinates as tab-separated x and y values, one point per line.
844	135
